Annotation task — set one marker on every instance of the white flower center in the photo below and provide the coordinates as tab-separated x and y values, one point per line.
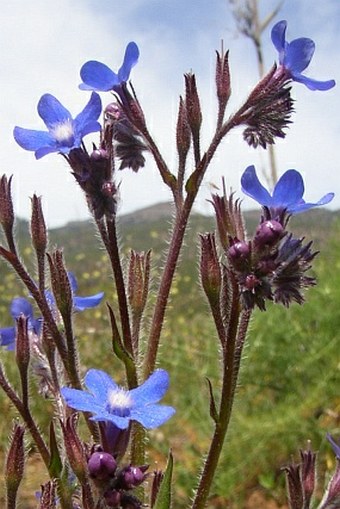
63	132
119	402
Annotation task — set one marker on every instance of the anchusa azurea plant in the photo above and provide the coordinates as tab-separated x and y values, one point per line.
95	451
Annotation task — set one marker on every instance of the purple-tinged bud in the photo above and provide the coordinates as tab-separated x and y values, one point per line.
193	106
228	217
132	108
130	477
223	87
251	282
138	282
308	473
48	496
210	270
7	211
294	486
60	283
74	448
239	251
113	498
183	133
268	234
102	466
6	203
38	226
113	112
14	470
99	154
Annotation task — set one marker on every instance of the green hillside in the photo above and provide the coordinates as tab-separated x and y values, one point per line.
289	388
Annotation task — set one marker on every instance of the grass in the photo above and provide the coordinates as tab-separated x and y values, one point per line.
289	385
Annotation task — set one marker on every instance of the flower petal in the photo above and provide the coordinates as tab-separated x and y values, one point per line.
21	306
43	151
98	76
80	400
253	187
130	60
98	383
32	140
302	207
289	189
153	415
52	111
81	303
7	337
278	35
313	84
152	390
89	114
299	54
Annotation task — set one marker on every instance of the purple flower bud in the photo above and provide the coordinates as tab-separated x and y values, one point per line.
38	226
99	154
210	269
268	233
102	466
239	250
15	461
130	477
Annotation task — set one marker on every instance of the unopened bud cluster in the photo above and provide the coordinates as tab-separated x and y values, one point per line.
271	265
116	484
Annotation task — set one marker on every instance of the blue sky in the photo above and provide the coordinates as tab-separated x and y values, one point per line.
45	43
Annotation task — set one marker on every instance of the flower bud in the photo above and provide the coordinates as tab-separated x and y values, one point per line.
15	462
102	466
74	448
130	477
183	134
308	474
210	269
193	107
6	205
38	226
22	352
60	283
294	486
239	254
223	88
268	234
139	276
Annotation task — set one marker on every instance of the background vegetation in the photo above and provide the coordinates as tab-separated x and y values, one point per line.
289	386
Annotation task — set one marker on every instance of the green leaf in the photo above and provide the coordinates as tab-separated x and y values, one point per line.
163	500
56	465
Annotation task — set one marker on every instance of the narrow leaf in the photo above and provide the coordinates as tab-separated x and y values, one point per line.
163	500
55	466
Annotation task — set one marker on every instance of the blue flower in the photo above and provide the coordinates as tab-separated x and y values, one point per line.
97	76
64	133
19	306
287	194
113	404
295	56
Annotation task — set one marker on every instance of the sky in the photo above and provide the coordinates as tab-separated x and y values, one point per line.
44	44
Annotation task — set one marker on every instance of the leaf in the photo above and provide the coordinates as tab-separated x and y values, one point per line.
213	409
163	500
55	466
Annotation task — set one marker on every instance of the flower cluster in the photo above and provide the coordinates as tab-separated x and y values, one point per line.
273	264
